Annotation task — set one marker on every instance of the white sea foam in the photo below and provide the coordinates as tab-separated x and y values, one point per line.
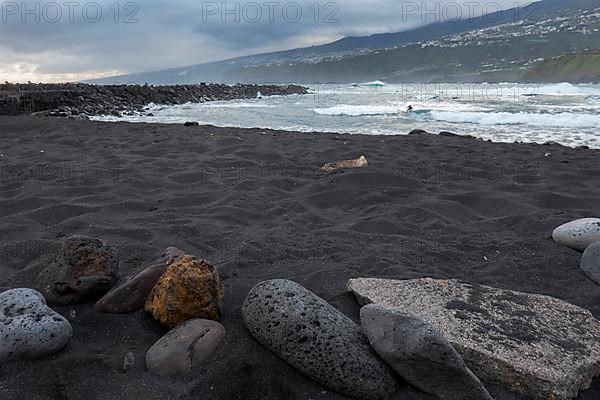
395	108
372	84
359	110
237	105
560	89
565	120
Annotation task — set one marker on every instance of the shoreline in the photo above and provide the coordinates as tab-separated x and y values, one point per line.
416	131
256	204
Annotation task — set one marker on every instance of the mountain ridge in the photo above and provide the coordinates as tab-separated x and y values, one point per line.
306	65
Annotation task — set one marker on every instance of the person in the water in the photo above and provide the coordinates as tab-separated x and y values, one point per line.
409	109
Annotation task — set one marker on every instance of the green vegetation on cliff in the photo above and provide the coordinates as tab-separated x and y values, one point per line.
582	67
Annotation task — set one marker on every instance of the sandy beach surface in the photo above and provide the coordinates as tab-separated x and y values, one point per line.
255	203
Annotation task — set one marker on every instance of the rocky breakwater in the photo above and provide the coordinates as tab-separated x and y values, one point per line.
79	100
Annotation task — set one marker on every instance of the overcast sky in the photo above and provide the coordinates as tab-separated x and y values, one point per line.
69	40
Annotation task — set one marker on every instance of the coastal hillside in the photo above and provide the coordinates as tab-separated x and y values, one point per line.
502	53
344	48
497	47
583	67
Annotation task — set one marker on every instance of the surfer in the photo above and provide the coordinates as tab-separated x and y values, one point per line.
409	109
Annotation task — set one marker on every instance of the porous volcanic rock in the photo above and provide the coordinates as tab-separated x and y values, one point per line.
29	329
578	234
315	338
85	269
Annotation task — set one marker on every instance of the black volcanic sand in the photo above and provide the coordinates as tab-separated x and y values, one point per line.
255	203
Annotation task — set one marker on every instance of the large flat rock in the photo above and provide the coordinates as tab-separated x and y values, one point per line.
536	345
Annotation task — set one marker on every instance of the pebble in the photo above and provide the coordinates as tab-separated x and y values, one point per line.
128	361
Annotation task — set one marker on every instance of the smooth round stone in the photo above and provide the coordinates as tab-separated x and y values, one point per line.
185	347
578	234
315	338
29	329
420	354
131	294
590	262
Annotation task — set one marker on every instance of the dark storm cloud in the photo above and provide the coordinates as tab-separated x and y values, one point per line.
42	38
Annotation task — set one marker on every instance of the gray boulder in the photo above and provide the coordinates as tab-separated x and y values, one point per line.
420	354
185	347
29	329
315	338
578	234
539	346
85	269
590	262
131	294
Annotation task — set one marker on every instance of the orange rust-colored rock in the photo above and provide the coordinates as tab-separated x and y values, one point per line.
190	288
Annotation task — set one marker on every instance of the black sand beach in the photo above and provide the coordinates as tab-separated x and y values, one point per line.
255	203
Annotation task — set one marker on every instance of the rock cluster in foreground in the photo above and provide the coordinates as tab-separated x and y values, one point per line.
441	336
79	100
535	345
177	289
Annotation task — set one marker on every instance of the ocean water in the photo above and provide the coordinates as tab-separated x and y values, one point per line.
564	113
